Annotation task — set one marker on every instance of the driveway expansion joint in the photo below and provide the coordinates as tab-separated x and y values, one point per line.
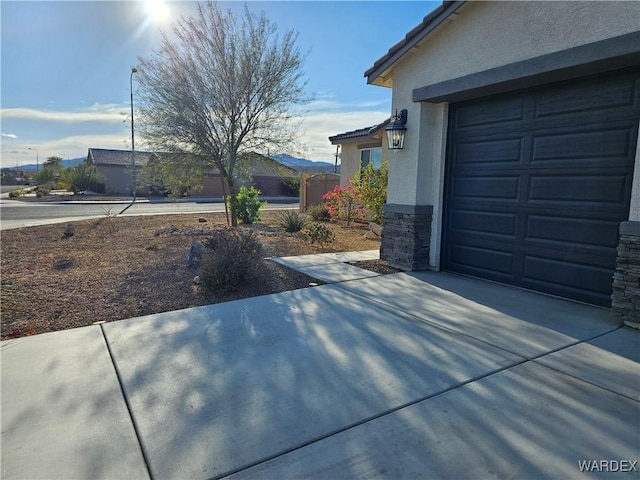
136	429
576	377
368	419
449	389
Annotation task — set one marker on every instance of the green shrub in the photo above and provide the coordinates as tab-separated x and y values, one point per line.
342	202
18	192
41	191
319	233
291	221
319	213
61	185
370	185
248	205
231	256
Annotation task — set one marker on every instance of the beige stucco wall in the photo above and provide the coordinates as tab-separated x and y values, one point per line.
481	36
484	35
349	161
117	178
350	157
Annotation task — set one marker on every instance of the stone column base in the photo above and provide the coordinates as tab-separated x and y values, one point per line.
406	235
625	299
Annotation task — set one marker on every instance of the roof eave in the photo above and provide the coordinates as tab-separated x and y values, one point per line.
381	72
358	135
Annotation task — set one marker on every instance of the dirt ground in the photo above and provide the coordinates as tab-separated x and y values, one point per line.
114	268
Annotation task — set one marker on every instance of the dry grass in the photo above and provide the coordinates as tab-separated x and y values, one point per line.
122	267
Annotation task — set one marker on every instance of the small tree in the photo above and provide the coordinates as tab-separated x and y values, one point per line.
176	173
370	186
220	88
82	176
54	163
248	205
342	202
50	172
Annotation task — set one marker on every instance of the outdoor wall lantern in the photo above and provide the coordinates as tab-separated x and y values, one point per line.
396	130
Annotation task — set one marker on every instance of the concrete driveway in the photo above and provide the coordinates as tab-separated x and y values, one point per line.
428	375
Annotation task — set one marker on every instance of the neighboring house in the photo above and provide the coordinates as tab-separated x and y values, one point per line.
115	174
269	176
521	147
359	148
114	169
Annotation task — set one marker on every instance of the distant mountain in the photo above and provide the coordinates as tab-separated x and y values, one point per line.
304	165
71	162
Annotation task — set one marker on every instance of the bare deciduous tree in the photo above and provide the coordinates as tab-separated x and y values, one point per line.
220	88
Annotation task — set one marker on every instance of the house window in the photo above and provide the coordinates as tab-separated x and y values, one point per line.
371	155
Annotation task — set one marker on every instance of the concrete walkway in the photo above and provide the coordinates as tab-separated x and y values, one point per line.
428	375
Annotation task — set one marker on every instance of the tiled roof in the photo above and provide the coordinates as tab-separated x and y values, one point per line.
416	34
257	164
101	156
361	132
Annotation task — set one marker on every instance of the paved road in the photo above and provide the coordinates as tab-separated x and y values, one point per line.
15	214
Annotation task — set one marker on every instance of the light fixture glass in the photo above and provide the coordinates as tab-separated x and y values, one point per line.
396	130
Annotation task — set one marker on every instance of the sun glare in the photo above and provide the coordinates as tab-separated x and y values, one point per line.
157	10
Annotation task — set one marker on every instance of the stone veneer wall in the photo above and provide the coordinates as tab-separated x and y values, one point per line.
406	235
625	299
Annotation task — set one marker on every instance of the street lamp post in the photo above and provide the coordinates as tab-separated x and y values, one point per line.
37	162
133	161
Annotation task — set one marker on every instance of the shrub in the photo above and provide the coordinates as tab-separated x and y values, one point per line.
370	185
342	202
230	257
319	233
248	205
18	192
319	213
41	191
61	185
291	221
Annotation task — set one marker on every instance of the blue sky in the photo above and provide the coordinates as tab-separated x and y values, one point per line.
66	66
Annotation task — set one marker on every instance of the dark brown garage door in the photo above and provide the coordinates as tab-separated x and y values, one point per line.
538	182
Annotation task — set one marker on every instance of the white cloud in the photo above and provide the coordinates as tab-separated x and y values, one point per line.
95	113
328	104
67	147
9	135
318	127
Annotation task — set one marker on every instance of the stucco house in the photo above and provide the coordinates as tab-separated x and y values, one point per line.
114	169
115	174
266	174
520	162
360	147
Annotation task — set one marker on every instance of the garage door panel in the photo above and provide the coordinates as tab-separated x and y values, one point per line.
587	96
580	146
564	278
538	181
505	188
575	189
505	110
572	232
500	152
474	259
495	223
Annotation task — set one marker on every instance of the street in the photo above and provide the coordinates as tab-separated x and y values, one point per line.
16	214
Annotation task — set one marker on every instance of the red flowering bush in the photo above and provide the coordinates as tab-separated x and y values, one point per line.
342	202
